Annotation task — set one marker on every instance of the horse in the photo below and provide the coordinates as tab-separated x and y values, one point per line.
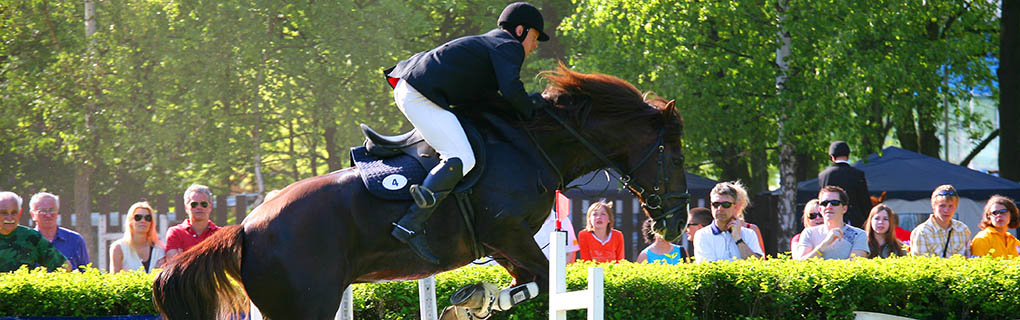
296	253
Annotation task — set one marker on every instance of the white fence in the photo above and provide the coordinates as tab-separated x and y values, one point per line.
560	300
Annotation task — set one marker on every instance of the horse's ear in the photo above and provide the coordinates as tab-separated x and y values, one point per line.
671	107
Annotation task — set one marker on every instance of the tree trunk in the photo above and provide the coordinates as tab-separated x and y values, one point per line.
787	161
906	131
759	171
927	131
1009	91
85	165
332	149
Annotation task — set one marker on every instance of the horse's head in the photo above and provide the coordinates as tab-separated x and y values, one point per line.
639	135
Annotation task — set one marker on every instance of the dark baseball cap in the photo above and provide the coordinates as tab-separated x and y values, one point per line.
839	148
523	13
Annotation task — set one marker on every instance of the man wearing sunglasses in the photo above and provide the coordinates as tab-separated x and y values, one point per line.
20	245
941	235
834	239
45	208
841	174
198	226
726	238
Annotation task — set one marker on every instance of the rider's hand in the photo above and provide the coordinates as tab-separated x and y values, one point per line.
538	103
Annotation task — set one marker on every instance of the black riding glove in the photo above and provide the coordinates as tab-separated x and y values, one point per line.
538	103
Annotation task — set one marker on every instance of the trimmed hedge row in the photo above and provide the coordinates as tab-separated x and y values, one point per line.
921	288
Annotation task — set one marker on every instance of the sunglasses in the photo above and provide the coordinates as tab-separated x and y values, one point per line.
998	212
147	217
826	203
724	204
694	224
196	204
814	215
946	193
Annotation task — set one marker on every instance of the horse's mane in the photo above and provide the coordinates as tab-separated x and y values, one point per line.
603	100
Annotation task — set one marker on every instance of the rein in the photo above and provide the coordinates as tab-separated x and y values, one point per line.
651	202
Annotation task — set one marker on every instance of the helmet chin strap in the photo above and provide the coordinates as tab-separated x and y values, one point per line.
513	32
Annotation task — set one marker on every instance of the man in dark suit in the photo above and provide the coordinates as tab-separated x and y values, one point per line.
459	72
841	174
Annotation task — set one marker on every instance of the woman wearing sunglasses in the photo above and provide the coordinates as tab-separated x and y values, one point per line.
140	247
994	239
811	218
880	226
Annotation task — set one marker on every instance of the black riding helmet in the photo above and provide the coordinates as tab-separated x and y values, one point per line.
525	14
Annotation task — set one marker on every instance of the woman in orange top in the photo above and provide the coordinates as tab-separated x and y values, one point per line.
995	240
599	241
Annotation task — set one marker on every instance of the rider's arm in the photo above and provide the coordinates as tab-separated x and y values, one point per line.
507	59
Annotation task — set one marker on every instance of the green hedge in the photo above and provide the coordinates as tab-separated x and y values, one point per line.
921	288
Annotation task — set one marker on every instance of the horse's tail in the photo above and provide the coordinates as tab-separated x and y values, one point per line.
203	282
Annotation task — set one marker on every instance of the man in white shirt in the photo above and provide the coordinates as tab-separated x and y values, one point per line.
725	238
832	239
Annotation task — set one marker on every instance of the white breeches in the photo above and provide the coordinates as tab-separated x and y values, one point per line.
439	127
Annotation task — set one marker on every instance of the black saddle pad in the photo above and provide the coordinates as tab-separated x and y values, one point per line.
388	178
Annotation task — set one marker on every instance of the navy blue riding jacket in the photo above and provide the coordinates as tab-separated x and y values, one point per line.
466	70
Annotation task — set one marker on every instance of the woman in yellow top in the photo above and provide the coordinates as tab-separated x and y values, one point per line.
994	239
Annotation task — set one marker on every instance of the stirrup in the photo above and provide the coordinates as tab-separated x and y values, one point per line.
423	197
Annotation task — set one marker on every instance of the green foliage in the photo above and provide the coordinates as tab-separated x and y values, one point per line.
91	293
923	288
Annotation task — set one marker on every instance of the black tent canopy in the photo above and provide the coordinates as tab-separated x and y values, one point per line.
907	175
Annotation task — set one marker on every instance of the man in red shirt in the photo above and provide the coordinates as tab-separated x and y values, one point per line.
198	226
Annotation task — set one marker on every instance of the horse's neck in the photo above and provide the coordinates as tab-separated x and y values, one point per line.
569	155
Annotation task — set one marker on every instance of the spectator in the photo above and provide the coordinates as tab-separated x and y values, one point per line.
697	218
198	226
20	245
140	247
542	236
660	250
599	241
994	239
882	241
842	175
811	217
45	208
757	231
726	238
834	239
941	235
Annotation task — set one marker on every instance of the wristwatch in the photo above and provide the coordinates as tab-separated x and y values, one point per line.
739	241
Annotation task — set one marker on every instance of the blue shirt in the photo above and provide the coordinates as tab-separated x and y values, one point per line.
72	246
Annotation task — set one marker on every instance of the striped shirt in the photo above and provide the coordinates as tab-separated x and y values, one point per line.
929	239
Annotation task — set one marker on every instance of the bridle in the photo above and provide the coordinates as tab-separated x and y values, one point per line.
650	201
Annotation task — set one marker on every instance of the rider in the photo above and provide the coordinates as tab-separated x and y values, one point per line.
458	72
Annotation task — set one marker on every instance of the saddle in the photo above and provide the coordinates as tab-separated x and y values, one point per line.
389	165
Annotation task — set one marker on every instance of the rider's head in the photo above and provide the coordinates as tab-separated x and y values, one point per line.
518	19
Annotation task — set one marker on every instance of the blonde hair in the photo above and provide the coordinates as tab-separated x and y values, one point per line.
151	235
735	190
608	206
946	187
809	208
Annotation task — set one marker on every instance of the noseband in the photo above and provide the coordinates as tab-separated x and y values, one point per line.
650	201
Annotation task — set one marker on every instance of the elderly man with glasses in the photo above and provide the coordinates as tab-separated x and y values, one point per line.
198	226
20	245
941	235
45	208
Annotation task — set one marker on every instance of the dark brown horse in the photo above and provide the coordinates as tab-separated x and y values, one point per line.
297	252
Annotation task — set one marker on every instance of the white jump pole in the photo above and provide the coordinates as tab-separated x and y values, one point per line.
560	300
426	301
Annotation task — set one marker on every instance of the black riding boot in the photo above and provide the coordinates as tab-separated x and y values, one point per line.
437	185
